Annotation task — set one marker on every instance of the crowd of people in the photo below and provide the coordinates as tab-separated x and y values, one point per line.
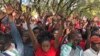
50	35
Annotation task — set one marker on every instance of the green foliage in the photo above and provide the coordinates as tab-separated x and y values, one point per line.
87	8
90	8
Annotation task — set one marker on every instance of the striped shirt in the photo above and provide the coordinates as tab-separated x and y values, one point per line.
91	52
67	50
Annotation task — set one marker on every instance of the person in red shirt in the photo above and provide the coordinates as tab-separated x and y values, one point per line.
42	43
45	48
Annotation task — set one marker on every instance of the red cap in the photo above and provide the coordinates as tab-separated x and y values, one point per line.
95	39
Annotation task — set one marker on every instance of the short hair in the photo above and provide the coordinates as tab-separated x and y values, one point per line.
4	41
42	39
95	29
43	36
1	36
72	35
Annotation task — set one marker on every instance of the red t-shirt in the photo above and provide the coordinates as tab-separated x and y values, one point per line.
51	52
60	42
82	44
2	27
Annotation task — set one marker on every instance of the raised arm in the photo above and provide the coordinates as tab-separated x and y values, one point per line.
16	37
31	33
60	30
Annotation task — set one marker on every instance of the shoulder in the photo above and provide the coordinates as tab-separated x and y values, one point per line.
79	47
66	47
87	52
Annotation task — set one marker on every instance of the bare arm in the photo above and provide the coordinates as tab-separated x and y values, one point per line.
31	33
56	42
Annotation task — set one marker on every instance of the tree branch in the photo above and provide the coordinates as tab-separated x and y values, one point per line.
59	4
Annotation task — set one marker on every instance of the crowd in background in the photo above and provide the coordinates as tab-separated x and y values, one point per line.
51	35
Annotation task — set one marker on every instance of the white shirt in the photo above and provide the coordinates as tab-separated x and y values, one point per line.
91	52
13	51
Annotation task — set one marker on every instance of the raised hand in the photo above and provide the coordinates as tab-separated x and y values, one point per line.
27	17
9	8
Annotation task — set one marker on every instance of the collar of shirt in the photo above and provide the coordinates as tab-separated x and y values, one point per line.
69	44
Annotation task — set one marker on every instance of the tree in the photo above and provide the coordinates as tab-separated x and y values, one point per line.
88	8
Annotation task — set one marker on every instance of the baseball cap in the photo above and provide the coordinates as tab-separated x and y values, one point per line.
95	39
